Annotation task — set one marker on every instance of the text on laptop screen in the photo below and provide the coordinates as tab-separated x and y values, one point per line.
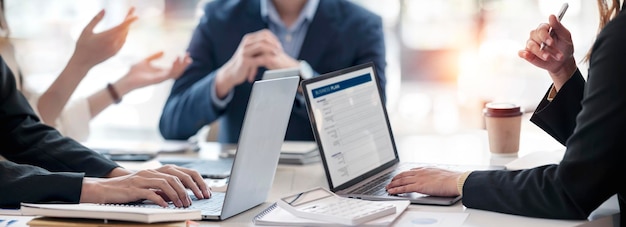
351	124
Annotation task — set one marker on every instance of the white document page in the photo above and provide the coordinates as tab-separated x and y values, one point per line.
351	124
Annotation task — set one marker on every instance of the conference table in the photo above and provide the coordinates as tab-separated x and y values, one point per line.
460	148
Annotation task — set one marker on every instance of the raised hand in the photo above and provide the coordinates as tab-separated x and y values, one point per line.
144	73
557	57
93	48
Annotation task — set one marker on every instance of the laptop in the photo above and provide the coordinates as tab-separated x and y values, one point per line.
354	137
220	168
254	165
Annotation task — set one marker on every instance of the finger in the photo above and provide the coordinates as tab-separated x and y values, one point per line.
405	174
535	48
253	72
154	197
187	181
154	56
197	181
258	48
400	190
130	13
96	19
558	29
180	194
270	37
266	39
540	34
165	187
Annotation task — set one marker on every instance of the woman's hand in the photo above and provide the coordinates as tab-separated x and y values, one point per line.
93	48
144	73
160	185
425	180
557	56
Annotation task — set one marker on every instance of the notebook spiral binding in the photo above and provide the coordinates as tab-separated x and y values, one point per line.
264	212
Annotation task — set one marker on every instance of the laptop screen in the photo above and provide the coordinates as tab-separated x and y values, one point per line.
350	123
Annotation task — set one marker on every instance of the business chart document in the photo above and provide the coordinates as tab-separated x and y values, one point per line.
351	125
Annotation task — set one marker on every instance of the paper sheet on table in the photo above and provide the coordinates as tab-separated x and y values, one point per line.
535	159
431	219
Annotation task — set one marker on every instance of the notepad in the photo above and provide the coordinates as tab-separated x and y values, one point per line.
276	216
110	212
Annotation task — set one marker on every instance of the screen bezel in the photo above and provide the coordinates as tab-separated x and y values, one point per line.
305	88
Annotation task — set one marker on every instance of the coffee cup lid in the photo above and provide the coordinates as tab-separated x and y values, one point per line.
502	110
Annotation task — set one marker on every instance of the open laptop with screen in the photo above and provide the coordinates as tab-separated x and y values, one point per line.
354	137
262	134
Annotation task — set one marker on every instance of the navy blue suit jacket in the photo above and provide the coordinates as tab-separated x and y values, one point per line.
340	35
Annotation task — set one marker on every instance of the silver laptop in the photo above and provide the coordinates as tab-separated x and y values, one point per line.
354	137
254	165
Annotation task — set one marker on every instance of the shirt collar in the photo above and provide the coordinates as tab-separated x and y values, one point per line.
268	12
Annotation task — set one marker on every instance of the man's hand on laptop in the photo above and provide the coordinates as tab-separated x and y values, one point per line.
425	180
160	185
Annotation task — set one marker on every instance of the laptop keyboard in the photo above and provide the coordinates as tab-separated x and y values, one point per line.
376	186
208	206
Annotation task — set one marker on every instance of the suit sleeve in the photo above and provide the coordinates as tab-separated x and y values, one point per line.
590	171
189	106
27	143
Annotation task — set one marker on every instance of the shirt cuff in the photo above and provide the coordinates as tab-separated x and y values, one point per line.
551	94
221	103
461	181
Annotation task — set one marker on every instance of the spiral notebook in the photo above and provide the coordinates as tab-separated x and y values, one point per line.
110	212
276	216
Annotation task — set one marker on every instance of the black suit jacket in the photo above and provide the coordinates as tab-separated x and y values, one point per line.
590	119
340	35
43	165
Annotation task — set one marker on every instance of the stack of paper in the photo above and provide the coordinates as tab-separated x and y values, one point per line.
299	152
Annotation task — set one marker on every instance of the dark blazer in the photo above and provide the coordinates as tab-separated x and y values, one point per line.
590	120
341	35
43	166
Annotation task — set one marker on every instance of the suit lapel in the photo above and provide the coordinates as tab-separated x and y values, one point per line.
322	31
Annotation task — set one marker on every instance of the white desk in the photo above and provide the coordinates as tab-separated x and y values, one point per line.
460	148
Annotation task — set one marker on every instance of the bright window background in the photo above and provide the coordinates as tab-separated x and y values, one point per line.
445	57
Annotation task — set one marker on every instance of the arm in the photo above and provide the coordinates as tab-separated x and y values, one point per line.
91	49
190	105
140	75
558	117
26	141
591	170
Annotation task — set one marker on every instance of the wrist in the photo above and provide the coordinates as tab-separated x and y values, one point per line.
561	76
80	62
222	84
118	172
89	191
460	181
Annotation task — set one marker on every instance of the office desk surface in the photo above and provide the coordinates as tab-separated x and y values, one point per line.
460	148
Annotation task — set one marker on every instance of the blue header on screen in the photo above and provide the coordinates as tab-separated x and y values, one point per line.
345	84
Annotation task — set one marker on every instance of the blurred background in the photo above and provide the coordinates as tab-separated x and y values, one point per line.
446	58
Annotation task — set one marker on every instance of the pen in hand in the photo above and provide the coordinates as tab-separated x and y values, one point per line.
559	17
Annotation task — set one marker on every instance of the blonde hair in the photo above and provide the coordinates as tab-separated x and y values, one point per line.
607	13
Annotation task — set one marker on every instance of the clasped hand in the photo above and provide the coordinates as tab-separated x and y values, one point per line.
161	185
257	49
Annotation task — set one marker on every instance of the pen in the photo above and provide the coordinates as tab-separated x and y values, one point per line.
559	17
